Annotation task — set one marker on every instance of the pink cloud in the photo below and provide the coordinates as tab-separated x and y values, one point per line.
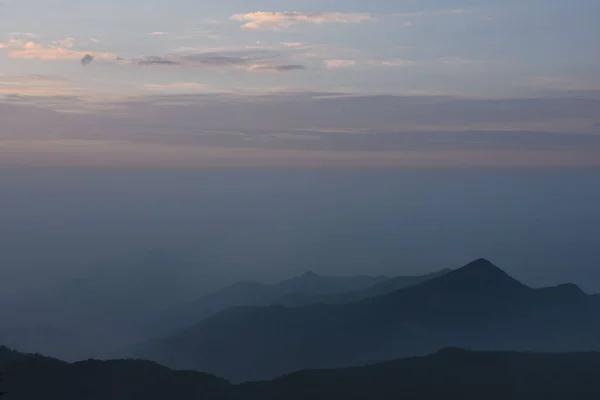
58	50
274	21
338	64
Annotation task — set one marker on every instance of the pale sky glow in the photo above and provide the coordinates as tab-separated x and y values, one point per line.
328	80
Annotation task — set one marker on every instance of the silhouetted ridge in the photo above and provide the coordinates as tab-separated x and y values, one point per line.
481	274
569	289
478	306
482	267
564	294
449	373
452	351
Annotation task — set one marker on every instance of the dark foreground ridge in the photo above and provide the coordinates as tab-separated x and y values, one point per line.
450	373
478	306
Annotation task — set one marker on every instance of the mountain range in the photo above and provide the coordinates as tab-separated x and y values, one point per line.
308	288
112	307
449	373
477	306
102	310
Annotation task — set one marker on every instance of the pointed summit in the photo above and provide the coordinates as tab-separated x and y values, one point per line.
481	274
482	268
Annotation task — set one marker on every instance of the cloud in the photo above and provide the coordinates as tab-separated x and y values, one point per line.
273	21
289	67
292	44
155	60
13	44
567	84
87	60
58	50
176	87
249	61
434	13
343	63
461	131
218	60
207	60
375	130
276	68
21	35
461	61
68	43
338	64
158	33
35	85
395	62
198	34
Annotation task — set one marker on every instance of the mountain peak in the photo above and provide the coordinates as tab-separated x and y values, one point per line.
482	272
481	266
481	263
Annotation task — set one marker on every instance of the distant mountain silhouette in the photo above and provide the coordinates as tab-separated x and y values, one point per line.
77	318
386	286
450	373
32	377
478	306
308	288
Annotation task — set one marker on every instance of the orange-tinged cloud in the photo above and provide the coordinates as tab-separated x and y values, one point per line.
282	20
339	64
59	50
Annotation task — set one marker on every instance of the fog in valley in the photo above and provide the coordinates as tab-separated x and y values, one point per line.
92	259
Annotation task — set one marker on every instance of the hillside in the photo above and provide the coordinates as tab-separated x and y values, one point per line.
302	290
450	373
477	306
101	311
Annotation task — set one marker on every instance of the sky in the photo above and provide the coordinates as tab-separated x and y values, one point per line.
299	83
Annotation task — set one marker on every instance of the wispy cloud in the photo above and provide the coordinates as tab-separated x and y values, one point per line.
395	62
566	83
35	85
67	43
57	50
276	68
343	63
177	87
340	130
293	44
198	34
156	60
273	21
339	64
22	35
461	61
249	61
433	13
